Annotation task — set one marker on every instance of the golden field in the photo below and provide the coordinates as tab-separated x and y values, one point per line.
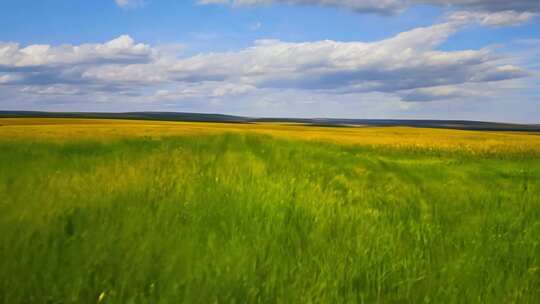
126	211
391	137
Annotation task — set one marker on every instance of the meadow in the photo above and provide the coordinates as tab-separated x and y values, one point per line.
108	211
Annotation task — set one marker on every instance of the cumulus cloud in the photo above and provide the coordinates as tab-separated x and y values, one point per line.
51	90
120	50
395	6
407	61
409	66
445	92
488	5
503	18
386	6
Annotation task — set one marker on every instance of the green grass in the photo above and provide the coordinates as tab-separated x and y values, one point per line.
235	219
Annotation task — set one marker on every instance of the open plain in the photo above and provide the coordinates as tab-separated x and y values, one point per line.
120	211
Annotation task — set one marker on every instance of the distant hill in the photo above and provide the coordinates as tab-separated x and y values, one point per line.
165	116
331	122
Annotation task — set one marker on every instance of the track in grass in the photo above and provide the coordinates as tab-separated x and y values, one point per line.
217	213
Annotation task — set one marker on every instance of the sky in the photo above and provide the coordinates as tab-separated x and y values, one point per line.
394	59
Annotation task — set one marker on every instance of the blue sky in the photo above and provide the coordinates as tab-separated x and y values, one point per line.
433	59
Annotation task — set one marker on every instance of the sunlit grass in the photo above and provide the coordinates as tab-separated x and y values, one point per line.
388	137
144	212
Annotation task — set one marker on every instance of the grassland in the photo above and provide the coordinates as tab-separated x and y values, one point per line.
153	212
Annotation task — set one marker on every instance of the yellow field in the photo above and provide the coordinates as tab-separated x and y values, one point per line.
88	217
395	137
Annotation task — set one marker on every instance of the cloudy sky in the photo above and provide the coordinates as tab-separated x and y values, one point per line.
436	59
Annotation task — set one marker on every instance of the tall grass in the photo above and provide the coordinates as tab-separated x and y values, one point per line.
248	218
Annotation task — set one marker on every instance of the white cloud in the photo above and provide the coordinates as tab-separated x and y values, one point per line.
204	2
487	5
51	90
130	3
8	78
233	89
503	18
445	92
407	61
122	50
408	66
122	3
384	6
394	6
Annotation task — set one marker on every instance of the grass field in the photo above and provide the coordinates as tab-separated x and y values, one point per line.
106	211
